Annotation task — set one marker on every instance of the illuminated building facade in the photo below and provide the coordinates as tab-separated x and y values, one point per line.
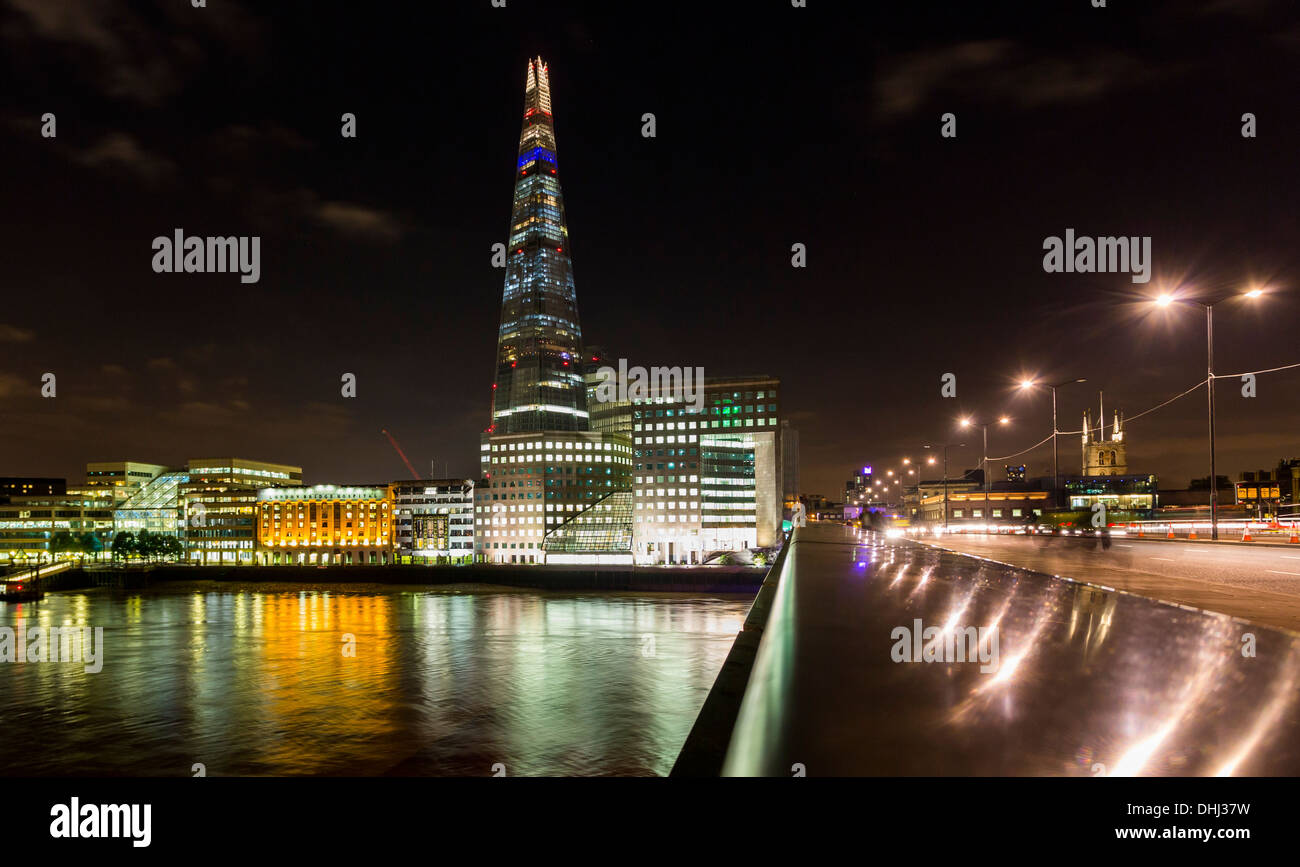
219	502
709	479
433	520
27	523
1130	494
533	483
1266	491
538	384
124	478
1104	455
325	525
155	507
604	415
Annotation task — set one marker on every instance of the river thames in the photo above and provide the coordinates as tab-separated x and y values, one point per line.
365	680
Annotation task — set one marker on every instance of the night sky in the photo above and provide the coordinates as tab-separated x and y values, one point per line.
776	126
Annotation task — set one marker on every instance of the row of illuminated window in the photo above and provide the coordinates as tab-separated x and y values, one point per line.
563	459
672	438
997	513
671	492
294	543
240	471
661	505
568	446
324	525
328	535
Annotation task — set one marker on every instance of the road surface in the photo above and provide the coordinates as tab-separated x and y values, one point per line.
1261	584
1084	681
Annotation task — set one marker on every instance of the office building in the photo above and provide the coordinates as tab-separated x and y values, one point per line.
219	504
156	506
789	462
539	383
707	479
123	478
533	483
433	520
324	525
29	522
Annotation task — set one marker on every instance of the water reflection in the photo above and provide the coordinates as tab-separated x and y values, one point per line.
366	681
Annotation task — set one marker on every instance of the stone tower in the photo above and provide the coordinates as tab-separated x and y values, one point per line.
1103	454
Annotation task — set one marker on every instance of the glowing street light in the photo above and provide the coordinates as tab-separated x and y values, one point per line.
1164	301
945	447
984	461
1026	384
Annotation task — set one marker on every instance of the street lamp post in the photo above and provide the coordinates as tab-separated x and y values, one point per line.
1165	301
984	461
1056	470
945	448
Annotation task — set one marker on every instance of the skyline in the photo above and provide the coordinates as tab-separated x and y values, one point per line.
376	250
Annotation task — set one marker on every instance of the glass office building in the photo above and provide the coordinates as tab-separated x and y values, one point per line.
600	535
538	384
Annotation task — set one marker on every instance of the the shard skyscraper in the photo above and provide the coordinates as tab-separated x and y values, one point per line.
538	384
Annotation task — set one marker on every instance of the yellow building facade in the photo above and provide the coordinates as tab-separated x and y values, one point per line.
325	525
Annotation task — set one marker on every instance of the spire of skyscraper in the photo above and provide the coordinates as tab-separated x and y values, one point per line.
539	383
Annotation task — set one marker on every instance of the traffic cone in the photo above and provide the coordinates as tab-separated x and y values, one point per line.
1295	536
1171	532
1245	537
1192	535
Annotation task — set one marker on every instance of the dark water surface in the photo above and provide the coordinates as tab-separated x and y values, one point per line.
253	680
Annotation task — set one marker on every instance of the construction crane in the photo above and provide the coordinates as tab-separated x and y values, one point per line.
400	453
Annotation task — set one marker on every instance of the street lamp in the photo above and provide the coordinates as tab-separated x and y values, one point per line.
984	461
1164	301
945	447
1056	472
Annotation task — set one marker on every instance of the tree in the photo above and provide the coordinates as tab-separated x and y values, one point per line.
123	545
172	547
62	543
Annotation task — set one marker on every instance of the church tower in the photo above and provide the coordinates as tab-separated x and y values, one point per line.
1104	455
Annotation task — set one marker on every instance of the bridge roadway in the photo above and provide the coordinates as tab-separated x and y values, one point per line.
1088	681
1256	582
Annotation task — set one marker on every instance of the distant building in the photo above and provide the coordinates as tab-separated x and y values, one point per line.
24	486
433	520
123	477
325	525
219	504
1104	455
156	506
1133	494
534	482
27	523
1266	491
609	416
1005	504
789	461
708	480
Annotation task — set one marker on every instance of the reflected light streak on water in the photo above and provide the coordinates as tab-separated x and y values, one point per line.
256	682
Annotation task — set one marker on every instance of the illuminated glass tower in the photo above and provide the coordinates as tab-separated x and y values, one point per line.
539	384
